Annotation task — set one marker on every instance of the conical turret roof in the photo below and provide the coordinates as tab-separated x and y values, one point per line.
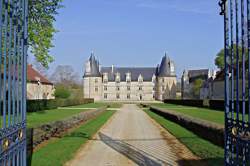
164	69
94	67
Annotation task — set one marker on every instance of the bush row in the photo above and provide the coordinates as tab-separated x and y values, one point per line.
212	104
188	102
208	130
40	105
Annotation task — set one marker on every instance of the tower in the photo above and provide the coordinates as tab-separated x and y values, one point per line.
92	79
166	80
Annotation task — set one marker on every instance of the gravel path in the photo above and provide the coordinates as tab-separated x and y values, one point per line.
131	137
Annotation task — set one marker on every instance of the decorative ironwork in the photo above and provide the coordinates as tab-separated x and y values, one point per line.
237	80
222	6
13	58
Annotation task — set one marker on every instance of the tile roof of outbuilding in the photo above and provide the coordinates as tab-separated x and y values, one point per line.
32	76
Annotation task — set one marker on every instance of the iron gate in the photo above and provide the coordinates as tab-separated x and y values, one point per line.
237	85
13	58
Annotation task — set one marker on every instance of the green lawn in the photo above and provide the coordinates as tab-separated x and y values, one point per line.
38	118
202	113
59	151
200	147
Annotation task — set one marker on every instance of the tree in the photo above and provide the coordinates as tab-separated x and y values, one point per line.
41	29
65	75
219	60
62	92
196	87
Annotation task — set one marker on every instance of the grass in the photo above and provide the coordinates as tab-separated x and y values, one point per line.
59	151
207	151
35	119
202	113
38	118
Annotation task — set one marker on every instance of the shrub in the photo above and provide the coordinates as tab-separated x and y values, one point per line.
62	92
40	105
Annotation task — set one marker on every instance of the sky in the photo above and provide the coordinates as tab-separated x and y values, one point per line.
138	33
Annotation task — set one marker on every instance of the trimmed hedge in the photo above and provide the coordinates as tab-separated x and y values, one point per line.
208	130
40	105
188	102
220	105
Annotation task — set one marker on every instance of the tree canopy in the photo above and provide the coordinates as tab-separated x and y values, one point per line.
196	87
219	60
41	28
65	75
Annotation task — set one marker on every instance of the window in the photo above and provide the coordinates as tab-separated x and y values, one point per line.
140	79
118	96
117	78
128	88
163	88
105	78
105	81
96	80
128	96
128	77
163	80
117	88
140	87
105	88
96	89
105	95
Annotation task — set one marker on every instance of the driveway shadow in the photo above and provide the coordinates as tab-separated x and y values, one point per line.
131	152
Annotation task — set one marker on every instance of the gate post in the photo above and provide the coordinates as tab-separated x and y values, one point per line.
237	80
13	66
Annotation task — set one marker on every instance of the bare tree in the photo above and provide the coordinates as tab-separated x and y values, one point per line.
65	75
39	67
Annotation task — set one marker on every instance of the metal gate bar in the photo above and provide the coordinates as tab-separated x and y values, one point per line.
13	65
237	85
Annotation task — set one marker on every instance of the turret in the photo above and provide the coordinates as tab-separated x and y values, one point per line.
166	79
166	68
92	79
92	67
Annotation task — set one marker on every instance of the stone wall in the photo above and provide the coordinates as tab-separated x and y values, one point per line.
166	88
41	91
38	135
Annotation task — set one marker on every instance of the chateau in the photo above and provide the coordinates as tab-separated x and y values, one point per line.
129	83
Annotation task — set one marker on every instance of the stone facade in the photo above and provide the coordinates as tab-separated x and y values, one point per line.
129	83
38	86
188	79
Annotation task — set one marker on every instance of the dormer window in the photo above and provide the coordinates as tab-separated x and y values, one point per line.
128	77
117	78
105	78
140	79
153	79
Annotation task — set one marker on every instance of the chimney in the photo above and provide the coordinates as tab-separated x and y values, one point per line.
112	68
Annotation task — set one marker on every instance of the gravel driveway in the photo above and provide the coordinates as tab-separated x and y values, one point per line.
131	137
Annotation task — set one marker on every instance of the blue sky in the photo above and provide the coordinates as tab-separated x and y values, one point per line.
138	32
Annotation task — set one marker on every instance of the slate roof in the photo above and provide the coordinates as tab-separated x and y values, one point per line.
146	72
33	75
198	74
94	65
164	69
195	73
